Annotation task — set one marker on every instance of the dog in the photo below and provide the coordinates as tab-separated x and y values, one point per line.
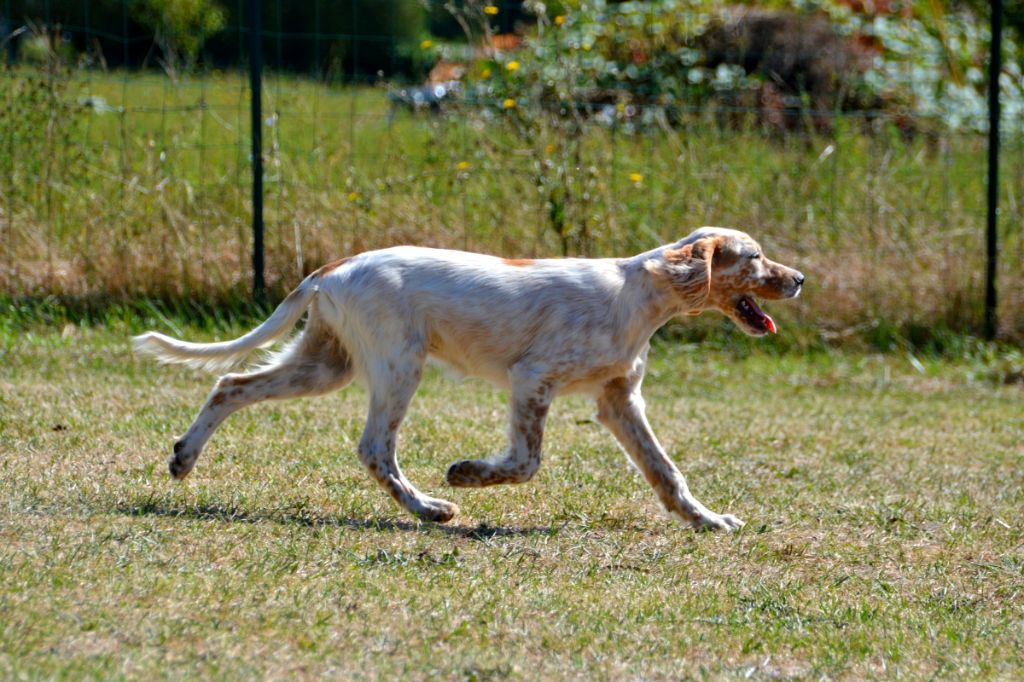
538	328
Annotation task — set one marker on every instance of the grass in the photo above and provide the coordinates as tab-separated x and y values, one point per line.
882	495
146	193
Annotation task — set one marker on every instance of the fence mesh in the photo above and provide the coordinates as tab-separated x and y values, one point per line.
127	176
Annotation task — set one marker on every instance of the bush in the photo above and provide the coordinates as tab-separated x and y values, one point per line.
666	58
180	27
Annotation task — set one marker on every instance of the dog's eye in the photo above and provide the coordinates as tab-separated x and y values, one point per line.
754	256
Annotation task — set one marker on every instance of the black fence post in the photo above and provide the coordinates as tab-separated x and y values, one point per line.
256	108
7	35
995	66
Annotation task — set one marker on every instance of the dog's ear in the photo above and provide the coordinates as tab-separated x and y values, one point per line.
689	271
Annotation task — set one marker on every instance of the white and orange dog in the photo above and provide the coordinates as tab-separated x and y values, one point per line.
539	328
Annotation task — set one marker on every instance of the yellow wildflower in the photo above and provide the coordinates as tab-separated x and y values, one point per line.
427	44
549	149
486	73
509	103
559	20
512	65
636	178
491	10
462	165
353	196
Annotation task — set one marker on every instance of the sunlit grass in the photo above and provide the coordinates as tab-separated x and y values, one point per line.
882	498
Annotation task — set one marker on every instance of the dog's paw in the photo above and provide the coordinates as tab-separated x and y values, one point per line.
712	521
438	511
180	464
464	474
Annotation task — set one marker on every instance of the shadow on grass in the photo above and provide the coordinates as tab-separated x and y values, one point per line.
300	517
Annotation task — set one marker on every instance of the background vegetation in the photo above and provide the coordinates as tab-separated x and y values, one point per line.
610	129
116	204
354	39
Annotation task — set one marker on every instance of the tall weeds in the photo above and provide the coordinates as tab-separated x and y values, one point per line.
117	186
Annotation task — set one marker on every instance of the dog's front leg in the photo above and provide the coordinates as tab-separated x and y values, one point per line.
621	410
531	397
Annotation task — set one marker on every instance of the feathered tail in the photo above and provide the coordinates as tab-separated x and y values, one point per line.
222	355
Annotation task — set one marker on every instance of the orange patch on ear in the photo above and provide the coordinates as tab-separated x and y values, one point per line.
680	255
695	256
702	249
517	262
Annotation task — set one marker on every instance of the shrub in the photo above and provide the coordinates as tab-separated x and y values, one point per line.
180	27
671	57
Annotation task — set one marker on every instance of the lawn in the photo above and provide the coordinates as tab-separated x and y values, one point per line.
882	495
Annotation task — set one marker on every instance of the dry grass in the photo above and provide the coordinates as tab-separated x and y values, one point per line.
155	201
884	536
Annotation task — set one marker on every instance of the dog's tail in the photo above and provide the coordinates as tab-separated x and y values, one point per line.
220	356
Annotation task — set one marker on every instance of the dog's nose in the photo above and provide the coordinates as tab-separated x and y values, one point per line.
799	279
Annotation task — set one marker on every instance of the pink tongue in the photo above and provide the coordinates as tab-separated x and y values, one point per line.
768	321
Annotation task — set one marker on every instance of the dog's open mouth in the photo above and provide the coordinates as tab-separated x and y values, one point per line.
755	318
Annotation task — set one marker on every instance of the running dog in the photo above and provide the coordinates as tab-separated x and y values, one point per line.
538	328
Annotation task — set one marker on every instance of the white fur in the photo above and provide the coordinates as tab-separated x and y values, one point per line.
219	356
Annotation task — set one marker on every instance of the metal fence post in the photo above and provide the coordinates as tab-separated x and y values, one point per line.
995	66
7	34
256	108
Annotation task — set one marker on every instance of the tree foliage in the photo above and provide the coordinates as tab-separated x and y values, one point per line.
347	40
180	27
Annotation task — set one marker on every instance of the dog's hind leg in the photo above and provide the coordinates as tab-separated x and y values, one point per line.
392	385
531	398
313	364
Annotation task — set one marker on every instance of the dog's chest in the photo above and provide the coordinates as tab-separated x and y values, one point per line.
590	379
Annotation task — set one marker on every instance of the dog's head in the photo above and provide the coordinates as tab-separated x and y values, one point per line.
723	269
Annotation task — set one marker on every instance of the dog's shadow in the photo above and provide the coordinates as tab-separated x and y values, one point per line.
228	514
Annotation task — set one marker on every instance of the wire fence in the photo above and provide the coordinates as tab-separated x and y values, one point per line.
117	180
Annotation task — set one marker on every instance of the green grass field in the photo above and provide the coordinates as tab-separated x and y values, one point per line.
882	495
